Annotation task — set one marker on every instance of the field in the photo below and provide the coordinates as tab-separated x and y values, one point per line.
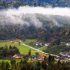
22	48
43	48
31	43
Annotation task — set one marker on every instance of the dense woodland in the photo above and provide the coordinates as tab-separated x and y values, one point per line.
8	52
46	33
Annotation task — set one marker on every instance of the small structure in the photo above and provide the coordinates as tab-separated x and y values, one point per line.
68	44
46	44
18	56
65	54
39	44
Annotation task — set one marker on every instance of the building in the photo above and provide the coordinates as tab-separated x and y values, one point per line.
18	56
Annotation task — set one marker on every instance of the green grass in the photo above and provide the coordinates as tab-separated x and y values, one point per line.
24	49
43	48
4	60
8	43
30	41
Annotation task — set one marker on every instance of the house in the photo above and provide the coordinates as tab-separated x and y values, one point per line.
37	57
68	44
18	56
46	44
39	44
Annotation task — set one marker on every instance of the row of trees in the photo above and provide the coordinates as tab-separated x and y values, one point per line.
8	51
24	64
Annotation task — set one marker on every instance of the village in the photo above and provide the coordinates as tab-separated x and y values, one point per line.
12	52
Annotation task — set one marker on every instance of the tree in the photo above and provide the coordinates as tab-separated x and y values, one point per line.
51	59
29	53
38	65
24	64
13	64
44	63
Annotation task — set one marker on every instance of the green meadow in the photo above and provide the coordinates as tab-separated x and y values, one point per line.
22	48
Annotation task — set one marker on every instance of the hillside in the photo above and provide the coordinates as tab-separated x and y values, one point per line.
42	27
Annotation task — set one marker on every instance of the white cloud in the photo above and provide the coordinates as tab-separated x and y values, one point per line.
26	15
40	10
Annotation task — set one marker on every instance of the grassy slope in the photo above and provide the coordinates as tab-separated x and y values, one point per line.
30	41
23	49
55	49
43	48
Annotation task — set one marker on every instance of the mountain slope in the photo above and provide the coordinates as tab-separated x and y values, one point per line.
45	27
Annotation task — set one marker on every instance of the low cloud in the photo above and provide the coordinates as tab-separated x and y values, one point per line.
34	15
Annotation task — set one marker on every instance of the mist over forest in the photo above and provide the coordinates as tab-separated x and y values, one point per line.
29	22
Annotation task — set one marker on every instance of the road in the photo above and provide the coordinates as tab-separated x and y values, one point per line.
37	49
34	49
